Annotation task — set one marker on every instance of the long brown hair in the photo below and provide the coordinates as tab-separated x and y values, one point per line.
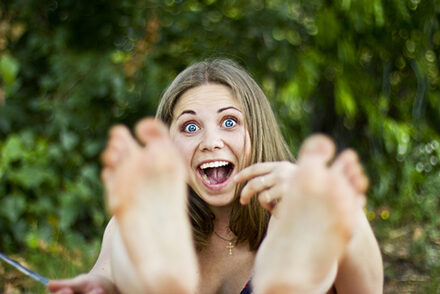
248	222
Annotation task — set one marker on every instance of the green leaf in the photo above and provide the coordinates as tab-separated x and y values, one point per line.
69	140
345	104
29	176
12	150
12	206
9	67
32	239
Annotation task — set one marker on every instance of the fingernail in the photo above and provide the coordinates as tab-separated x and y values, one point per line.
268	199
244	201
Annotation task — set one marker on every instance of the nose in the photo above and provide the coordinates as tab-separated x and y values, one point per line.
211	141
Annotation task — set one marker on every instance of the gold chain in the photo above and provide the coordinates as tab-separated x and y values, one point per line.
230	245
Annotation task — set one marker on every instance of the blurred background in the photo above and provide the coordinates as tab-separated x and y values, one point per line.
366	72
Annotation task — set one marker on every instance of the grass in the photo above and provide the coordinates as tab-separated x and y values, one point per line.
52	262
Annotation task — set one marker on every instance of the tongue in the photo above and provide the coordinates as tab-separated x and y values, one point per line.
217	175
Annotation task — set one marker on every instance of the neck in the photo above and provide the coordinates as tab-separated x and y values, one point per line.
221	221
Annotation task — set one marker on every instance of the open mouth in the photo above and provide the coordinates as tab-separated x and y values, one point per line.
216	172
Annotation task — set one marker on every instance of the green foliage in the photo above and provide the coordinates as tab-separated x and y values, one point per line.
41	198
9	67
364	72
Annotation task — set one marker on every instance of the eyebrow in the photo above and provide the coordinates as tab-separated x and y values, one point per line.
187	112
226	108
218	111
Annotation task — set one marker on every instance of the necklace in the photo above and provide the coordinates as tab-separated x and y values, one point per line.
230	245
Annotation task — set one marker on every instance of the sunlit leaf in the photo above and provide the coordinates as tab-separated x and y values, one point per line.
9	67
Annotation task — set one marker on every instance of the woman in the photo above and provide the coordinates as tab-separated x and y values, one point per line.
222	141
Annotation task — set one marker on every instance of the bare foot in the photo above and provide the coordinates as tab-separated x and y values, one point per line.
314	224
147	194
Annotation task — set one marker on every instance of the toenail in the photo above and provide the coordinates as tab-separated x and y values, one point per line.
313	146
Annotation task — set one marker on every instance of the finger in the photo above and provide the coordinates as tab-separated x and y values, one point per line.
269	198
58	289
256	185
77	284
254	170
57	285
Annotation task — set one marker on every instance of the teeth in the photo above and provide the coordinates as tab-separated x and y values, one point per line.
214	164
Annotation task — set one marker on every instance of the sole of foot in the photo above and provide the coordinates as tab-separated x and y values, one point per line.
314	223
147	193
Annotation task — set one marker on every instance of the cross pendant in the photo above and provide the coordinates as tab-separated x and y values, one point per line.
229	247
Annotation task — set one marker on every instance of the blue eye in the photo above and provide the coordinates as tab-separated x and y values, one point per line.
229	123
191	128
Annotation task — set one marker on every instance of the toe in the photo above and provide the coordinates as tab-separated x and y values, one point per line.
317	147
106	176
348	164
345	160
361	184
110	157
121	137
120	143
150	129
159	147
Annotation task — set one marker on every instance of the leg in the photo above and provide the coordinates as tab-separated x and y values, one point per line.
313	226
147	194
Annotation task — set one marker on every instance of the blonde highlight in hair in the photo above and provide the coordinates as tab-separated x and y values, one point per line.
248	222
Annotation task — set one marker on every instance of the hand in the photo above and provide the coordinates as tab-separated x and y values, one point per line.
83	284
270	179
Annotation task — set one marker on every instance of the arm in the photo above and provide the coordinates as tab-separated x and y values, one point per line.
360	269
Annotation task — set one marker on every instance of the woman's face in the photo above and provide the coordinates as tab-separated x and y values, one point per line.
209	129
